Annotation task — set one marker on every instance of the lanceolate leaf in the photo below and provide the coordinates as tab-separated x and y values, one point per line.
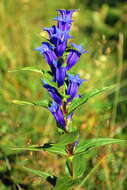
22	103
84	98
52	148
27	69
85	145
47	77
42	103
67	168
37	172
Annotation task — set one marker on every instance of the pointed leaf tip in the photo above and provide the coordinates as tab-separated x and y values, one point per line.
85	97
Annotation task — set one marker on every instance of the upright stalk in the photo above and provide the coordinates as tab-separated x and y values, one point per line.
118	80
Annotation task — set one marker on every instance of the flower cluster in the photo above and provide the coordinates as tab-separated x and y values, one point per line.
61	57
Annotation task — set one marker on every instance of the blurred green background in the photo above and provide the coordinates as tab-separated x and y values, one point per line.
101	27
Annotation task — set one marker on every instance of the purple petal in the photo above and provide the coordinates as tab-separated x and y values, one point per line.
66	14
72	90
58	115
74	55
72	58
79	48
73	86
61	47
50	31
61	42
64	26
53	92
65	19
47	50
75	79
60	75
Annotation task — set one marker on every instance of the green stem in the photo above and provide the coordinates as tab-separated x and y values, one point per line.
71	168
69	146
119	75
70	158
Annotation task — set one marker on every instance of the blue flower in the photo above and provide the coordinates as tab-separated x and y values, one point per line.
47	50
51	30
53	92
65	19
79	48
58	115
53	51
60	75
60	39
74	55
66	14
52	34
73	86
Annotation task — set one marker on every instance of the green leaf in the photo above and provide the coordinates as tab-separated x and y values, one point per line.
79	101
79	165
52	148
67	168
85	145
37	172
27	69
47	77
22	103
90	174
68	138
42	103
48	177
65	183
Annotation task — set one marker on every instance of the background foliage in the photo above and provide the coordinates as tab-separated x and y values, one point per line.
101	27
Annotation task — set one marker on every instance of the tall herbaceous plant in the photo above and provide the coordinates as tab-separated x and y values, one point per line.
62	86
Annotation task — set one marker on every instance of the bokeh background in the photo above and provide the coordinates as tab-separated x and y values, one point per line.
101	27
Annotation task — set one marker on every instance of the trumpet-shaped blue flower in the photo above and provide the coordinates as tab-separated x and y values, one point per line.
58	115
53	92
60	75
52	34
47	50
73	86
51	31
78	47
60	39
66	14
65	19
74	55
